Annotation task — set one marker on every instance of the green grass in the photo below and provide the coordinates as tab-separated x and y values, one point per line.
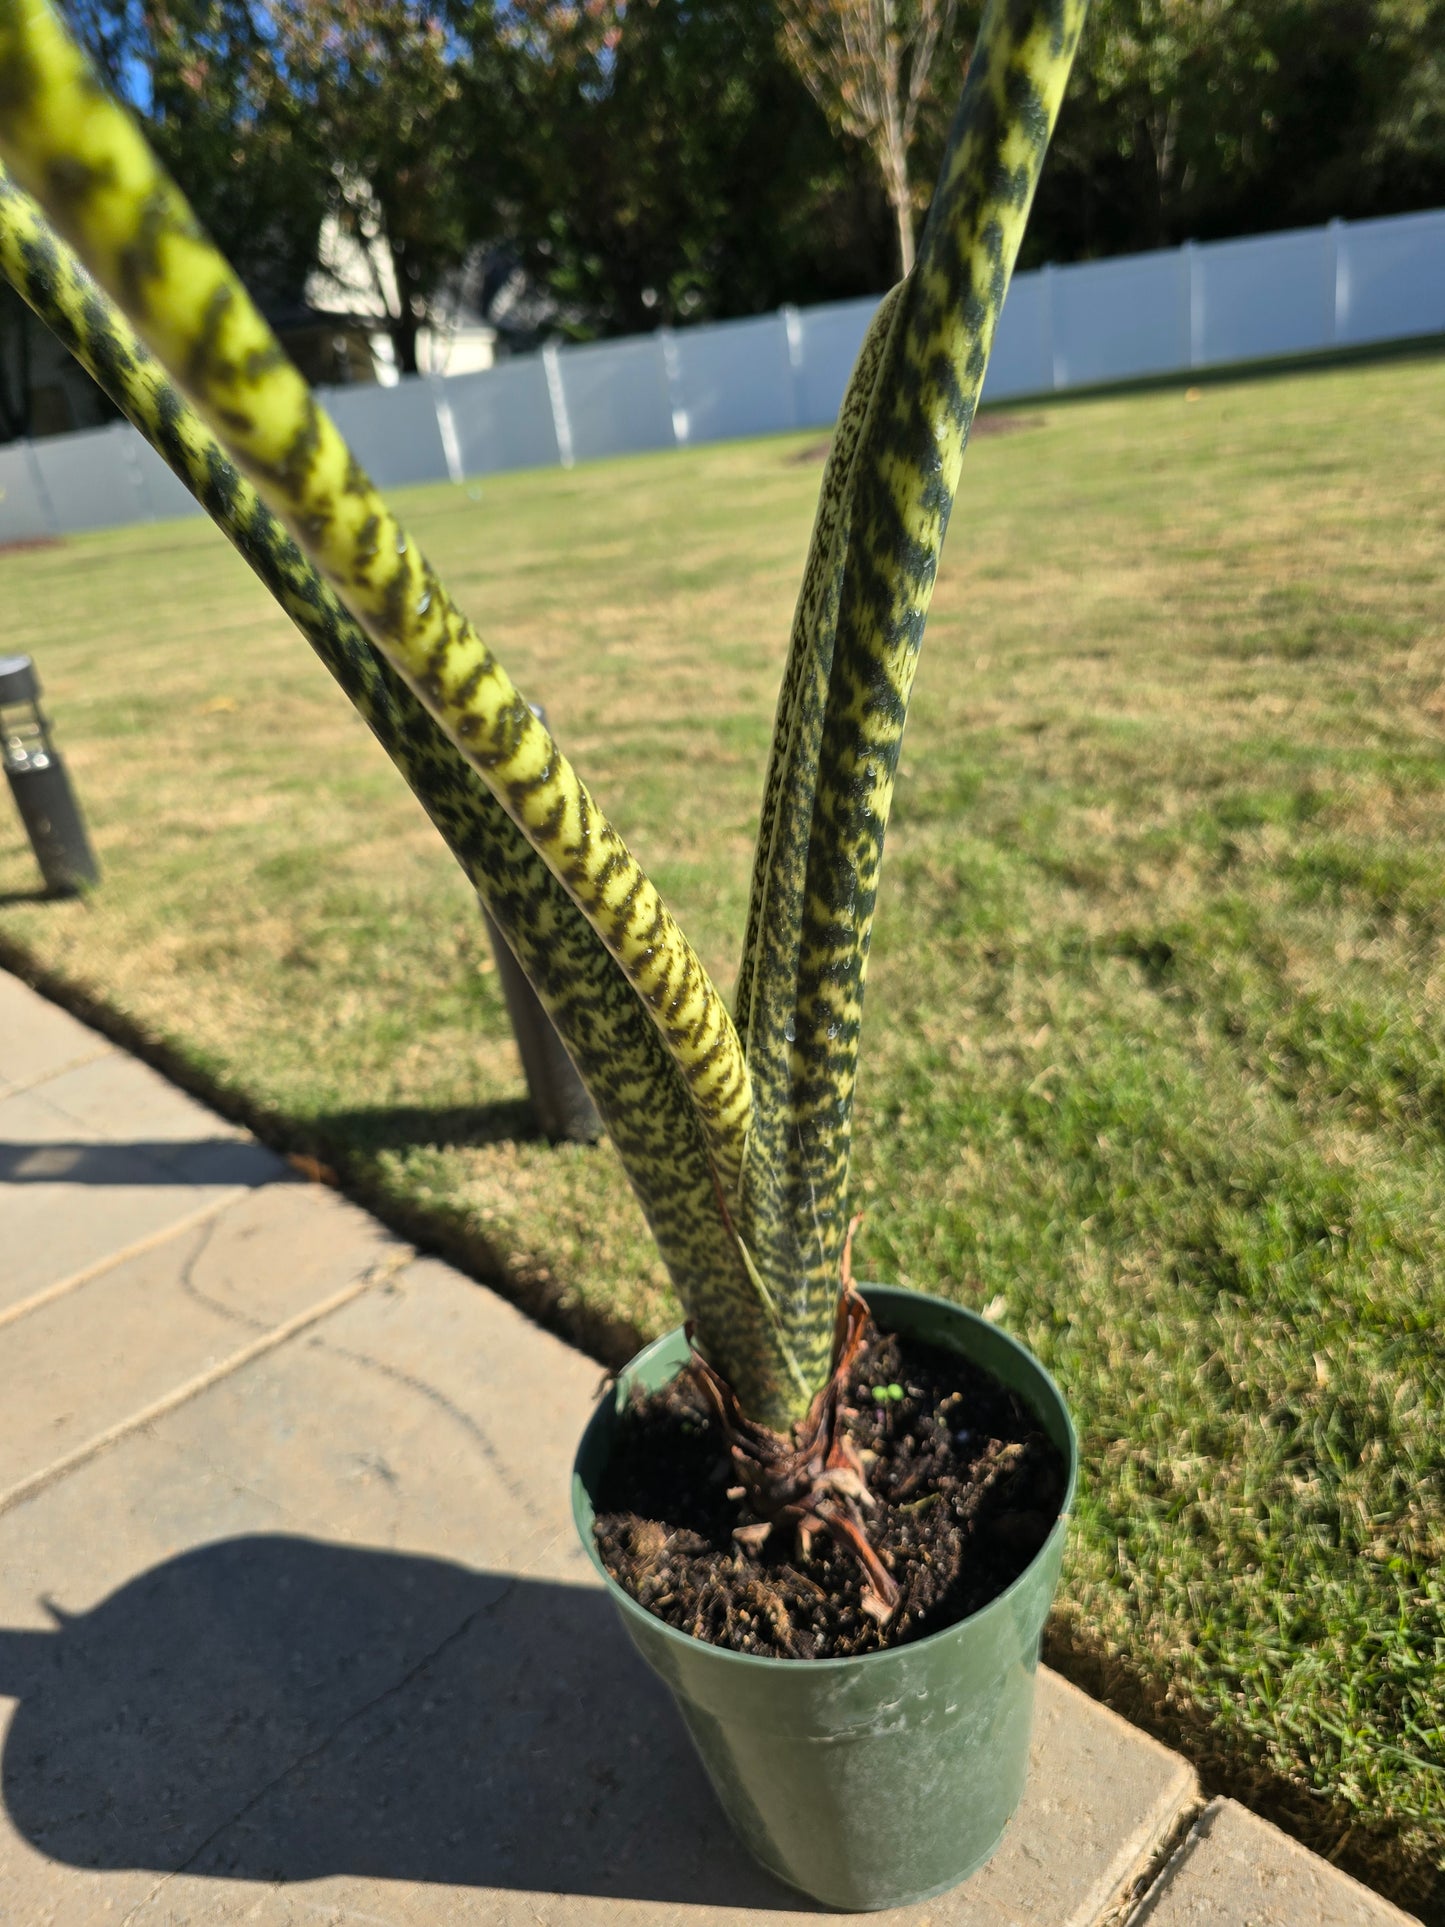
1155	1059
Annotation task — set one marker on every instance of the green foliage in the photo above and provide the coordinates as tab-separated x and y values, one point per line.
663	164
380	89
1198	119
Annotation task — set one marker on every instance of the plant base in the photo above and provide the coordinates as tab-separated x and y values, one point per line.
877	1780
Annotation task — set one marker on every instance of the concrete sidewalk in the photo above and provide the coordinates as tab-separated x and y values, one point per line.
293	1627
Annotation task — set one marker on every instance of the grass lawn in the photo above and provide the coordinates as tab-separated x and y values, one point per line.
1154	1067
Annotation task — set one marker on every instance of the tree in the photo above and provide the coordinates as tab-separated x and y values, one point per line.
16	330
867	63
379	84
1197	119
664	164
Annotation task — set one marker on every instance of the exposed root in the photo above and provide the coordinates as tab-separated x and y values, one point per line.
814	1481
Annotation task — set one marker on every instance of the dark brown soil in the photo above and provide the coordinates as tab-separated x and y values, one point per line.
967	1488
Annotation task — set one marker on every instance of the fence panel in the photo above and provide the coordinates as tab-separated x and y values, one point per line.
732	379
616	397
91	479
1114	320
1231	301
166	499
503	417
1022	362
392	431
831	338
1392	278
1271	295
24	516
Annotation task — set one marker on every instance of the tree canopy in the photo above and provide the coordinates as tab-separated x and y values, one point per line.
637	162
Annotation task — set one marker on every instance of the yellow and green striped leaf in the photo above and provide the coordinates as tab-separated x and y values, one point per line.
84	160
738	1145
638	1090
884	511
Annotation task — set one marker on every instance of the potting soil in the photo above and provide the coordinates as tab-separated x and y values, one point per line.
966	1488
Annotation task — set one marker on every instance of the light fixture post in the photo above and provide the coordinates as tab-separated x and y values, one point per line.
40	784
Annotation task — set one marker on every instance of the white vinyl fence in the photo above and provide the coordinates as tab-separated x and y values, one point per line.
1225	302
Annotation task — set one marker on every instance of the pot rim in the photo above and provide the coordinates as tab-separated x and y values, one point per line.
691	1644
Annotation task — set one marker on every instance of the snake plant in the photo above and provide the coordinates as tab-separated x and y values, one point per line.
734	1129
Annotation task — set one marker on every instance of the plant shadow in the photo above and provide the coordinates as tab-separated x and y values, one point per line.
9	899
272	1708
163	1161
407	1127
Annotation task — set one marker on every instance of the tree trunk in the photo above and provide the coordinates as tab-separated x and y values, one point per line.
895	181
904	214
404	330
15	403
895	140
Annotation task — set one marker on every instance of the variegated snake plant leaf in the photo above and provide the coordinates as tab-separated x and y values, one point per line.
736	1137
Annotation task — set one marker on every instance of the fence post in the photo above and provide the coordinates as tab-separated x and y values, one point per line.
1046	324
557	396
1193	305
42	493
447	428
1339	280
676	388
793	329
126	436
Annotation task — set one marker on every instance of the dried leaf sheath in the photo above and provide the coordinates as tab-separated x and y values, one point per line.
636	1086
860	625
71	146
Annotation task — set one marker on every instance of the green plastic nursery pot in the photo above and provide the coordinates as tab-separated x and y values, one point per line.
873	1781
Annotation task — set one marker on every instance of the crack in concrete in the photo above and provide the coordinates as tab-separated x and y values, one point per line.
272	1340
498	1465
188	1285
312	1753
88	1274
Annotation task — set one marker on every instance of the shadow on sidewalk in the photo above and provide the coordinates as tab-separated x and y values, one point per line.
275	1708
206	1160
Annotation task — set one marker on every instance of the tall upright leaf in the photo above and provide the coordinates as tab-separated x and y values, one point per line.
886	499
762	1122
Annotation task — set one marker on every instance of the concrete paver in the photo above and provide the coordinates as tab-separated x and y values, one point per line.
162	1123
327	1623
1236	1870
71	1199
86	1360
37	1039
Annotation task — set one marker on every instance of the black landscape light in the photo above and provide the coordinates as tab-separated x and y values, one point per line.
559	1097
40	785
